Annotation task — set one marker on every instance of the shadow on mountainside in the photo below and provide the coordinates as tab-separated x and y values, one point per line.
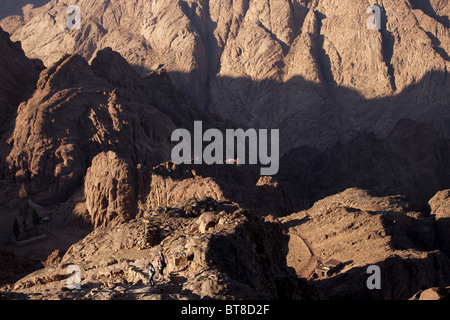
413	159
427	8
409	156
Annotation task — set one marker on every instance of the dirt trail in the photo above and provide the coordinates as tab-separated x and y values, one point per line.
303	270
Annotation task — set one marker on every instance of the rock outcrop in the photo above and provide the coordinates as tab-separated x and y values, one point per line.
439	209
234	255
217	250
77	112
440	205
18	76
90	137
172	183
15	7
361	230
433	294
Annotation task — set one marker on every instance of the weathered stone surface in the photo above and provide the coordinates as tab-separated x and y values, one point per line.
15	7
433	294
172	183
362	230
76	114
110	189
272	64
97	134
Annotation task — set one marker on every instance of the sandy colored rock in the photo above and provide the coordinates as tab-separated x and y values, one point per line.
206	221
238	258
271	64
364	127
79	111
441	293
172	183
18	76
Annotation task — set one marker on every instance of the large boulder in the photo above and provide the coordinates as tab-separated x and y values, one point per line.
110	190
440	210
77	112
441	293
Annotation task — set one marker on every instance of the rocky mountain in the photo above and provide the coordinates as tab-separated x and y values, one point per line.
79	110
17	78
85	135
271	64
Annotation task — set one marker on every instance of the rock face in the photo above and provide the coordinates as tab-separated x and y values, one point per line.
90	138
440	205
172	183
433	294
80	113
413	160
272	64
362	230
215	249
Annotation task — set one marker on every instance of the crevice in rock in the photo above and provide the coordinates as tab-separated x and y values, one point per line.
388	43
